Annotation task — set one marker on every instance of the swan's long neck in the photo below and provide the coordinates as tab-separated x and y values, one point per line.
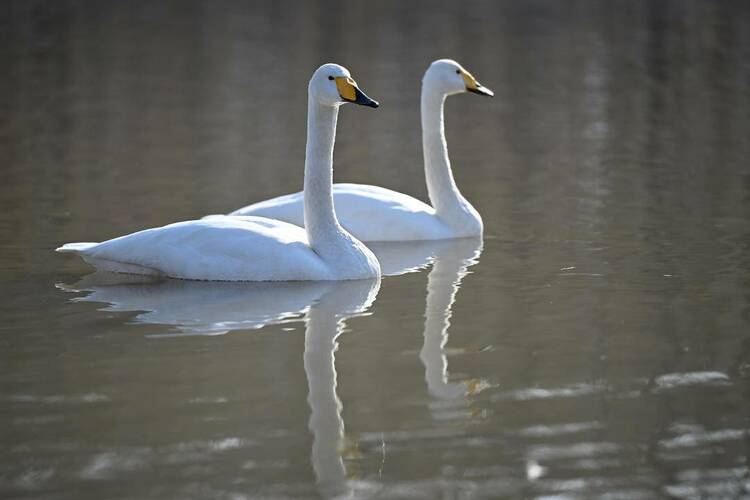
321	223
444	194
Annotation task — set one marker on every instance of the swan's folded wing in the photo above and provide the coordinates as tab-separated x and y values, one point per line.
370	213
373	213
217	248
288	208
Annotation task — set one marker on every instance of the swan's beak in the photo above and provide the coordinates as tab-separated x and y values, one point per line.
472	85
349	92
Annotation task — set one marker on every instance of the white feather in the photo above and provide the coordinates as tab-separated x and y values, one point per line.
373	213
224	248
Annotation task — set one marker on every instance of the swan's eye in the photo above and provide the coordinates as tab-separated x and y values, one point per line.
458	71
330	78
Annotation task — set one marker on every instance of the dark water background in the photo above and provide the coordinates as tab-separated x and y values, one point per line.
598	347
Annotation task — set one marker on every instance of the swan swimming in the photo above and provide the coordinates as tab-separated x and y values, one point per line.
373	213
224	248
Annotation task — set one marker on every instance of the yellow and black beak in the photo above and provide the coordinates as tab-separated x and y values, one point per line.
349	92
472	85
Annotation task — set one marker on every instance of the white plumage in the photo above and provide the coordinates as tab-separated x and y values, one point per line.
219	248
255	248
373	213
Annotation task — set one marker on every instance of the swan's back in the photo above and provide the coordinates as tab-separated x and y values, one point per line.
218	248
369	213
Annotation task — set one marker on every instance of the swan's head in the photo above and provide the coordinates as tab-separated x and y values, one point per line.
333	85
449	77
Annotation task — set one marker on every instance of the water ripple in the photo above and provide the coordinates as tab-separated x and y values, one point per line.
672	380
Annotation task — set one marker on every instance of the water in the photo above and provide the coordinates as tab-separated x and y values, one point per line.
594	344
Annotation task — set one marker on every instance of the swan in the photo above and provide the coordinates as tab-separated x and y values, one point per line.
223	248
373	213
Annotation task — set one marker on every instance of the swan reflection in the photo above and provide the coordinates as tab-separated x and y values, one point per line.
211	308
324	323
208	308
450	261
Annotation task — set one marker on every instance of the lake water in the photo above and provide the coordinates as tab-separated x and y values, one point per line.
596	343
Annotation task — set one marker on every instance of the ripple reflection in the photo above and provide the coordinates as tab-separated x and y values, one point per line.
205	308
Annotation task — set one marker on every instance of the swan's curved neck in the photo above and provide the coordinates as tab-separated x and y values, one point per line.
444	194
321	223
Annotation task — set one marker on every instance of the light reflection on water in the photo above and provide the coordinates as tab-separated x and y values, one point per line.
199	308
595	343
558	455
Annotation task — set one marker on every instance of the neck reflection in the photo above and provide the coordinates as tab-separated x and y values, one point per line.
450	260
450	265
214	308
325	322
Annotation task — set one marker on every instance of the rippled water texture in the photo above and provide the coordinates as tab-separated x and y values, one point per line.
595	344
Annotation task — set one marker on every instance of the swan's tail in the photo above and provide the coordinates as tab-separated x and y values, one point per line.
75	247
104	264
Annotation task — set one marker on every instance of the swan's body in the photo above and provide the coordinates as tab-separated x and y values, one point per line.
217	249
256	248
372	213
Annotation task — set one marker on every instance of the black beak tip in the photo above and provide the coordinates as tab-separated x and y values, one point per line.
364	100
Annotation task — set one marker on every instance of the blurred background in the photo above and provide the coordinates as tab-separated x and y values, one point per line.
121	115
611	170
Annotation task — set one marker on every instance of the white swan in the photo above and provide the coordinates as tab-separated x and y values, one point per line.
373	213
227	248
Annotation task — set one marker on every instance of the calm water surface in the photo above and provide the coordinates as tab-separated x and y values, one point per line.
594	344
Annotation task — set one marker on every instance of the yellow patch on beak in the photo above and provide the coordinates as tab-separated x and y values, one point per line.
469	80
472	85
347	88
